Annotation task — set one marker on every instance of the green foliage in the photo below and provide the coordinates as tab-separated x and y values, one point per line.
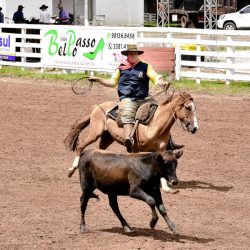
154	24
206	87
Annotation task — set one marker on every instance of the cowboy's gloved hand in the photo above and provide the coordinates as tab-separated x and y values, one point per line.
161	83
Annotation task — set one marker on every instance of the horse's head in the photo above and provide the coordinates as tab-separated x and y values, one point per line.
186	113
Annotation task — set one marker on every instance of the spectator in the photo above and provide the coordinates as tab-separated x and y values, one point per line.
1	16
63	15
44	15
18	15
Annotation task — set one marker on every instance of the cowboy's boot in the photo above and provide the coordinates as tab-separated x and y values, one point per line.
129	141
172	146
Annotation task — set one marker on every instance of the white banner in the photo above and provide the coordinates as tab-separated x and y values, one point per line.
77	47
7	46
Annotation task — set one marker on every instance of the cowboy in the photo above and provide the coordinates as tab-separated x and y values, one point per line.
44	15
132	77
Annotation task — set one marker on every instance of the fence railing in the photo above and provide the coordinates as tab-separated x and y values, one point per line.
149	17
199	54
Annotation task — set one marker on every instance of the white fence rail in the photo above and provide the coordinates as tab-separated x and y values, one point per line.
200	54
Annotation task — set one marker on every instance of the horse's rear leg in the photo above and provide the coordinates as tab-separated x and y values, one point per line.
94	134
114	205
166	188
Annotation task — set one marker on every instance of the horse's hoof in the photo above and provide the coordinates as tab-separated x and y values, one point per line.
70	172
171	191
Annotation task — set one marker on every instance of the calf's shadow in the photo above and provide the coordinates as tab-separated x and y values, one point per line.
158	235
201	185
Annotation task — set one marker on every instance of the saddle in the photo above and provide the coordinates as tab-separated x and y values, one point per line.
143	115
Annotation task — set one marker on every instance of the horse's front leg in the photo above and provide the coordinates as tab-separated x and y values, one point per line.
114	205
138	193
166	188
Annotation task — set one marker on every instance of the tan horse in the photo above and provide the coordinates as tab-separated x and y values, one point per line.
152	137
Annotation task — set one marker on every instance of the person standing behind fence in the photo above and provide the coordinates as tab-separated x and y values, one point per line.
44	15
63	15
18	15
1	16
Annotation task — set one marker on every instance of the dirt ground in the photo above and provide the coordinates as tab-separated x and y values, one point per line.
39	205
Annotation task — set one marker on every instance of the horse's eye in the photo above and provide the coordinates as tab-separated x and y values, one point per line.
188	108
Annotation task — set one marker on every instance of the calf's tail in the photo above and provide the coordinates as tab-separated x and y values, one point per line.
71	140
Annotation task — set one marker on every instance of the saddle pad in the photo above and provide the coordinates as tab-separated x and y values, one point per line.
113	113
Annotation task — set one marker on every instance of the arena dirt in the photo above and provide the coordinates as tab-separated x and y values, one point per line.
39	205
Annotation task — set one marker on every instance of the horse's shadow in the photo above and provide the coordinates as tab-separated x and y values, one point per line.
202	185
158	235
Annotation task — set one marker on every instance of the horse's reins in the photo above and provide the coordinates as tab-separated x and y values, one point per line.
162	91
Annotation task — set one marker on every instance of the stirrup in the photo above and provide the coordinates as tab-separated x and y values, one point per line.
172	146
129	143
176	146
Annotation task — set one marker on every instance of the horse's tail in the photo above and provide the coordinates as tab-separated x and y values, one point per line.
71	140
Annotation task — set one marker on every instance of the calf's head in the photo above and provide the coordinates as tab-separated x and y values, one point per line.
168	161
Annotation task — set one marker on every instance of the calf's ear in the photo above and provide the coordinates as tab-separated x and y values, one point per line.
178	154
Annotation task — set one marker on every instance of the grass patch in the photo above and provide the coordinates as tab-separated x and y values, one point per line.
214	87
154	24
206	87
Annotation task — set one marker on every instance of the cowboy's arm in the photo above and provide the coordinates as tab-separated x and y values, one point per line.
112	82
154	77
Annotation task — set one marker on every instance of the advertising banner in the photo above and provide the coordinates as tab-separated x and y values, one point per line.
7	46
81	48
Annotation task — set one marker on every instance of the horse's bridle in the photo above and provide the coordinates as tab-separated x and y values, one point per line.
174	113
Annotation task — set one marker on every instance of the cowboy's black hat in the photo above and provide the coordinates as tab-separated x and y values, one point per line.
44	7
20	6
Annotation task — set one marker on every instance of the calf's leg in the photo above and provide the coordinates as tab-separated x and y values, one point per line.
138	193
114	205
84	201
163	212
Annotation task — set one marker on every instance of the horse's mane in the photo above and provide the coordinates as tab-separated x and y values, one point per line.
180	96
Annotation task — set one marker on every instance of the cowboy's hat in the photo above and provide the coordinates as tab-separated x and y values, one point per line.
43	7
20	6
131	48
60	5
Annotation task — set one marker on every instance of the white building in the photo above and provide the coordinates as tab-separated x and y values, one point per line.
96	12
